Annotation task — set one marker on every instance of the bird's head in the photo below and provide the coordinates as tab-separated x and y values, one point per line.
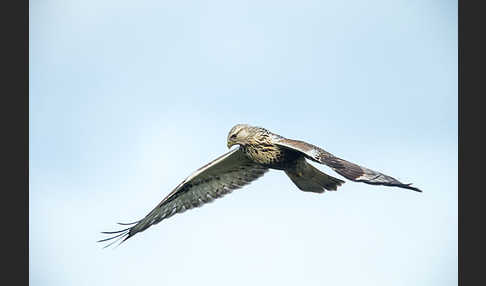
238	135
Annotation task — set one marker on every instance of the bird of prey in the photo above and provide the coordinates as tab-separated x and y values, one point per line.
259	150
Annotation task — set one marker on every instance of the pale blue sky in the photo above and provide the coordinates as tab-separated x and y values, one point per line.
127	98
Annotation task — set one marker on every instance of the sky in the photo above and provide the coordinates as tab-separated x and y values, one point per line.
127	98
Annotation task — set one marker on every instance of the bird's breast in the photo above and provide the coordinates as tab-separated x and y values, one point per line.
269	155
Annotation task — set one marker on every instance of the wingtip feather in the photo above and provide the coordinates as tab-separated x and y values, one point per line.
120	234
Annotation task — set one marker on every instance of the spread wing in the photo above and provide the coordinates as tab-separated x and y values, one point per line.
346	169
213	180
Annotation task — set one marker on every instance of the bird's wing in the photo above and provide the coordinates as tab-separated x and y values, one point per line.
346	169
213	180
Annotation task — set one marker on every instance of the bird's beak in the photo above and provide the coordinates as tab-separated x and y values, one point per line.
230	143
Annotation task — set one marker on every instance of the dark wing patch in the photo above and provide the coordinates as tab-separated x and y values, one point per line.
221	176
345	168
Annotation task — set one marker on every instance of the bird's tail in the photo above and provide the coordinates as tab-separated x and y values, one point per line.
309	179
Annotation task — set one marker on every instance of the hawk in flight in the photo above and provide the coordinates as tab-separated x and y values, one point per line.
259	150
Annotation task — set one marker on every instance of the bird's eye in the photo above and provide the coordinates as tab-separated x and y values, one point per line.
233	136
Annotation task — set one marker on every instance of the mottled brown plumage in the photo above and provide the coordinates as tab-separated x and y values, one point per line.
259	151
